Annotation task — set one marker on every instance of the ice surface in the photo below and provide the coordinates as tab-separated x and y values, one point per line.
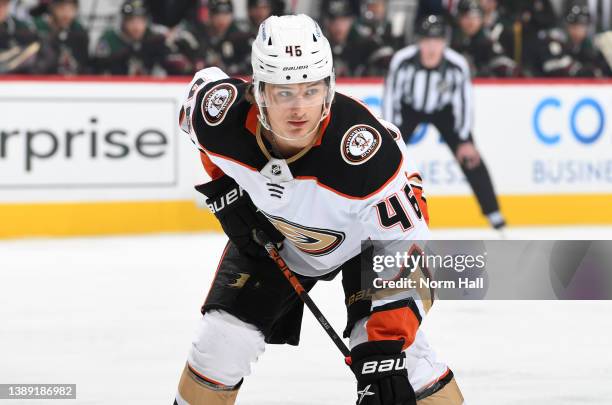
116	317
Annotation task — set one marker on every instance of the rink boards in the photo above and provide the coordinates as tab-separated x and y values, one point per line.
98	156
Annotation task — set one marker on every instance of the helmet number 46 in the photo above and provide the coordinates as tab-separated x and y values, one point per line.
293	50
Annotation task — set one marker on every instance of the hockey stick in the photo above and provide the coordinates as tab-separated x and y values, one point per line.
304	296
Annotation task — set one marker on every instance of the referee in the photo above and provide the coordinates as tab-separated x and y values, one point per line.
430	83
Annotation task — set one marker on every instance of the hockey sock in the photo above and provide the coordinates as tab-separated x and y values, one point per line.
195	389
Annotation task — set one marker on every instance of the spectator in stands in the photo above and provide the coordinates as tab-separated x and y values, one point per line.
170	12
354	54
374	23
353	6
178	19
569	53
19	44
534	15
580	42
486	57
445	8
500	28
222	42
257	11
600	12
183	50
64	40
135	48
530	22
551	57
492	14
574	53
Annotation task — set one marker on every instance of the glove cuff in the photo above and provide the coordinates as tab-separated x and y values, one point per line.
376	347
216	187
375	360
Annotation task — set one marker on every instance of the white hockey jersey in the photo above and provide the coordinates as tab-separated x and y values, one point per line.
354	183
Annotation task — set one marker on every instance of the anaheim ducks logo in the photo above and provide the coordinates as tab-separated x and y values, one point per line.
359	144
217	102
313	241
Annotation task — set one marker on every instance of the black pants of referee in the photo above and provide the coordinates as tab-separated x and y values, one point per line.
478	177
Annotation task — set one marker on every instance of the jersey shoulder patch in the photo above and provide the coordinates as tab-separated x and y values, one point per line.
359	144
219	123
217	101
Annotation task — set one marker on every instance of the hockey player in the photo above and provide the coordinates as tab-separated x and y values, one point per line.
318	173
430	83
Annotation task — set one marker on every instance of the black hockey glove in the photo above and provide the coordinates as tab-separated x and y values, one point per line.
382	378
238	216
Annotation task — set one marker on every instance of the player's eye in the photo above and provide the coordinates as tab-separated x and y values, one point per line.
285	94
312	91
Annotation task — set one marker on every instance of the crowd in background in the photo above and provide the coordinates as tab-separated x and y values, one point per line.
500	38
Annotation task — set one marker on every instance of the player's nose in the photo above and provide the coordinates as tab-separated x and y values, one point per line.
297	113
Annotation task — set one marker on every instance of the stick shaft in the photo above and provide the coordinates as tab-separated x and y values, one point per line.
305	297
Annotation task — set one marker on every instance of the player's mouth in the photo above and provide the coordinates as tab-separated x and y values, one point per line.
298	124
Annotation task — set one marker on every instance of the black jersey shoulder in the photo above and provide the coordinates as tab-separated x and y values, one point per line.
357	155
220	119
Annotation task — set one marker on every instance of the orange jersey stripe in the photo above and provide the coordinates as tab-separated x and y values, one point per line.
393	324
213	170
416	184
252	120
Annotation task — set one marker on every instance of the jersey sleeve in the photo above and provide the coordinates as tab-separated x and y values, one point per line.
397	213
199	82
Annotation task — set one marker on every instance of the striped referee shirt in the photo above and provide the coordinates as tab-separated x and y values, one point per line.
429	90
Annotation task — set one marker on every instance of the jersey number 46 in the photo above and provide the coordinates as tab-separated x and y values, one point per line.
391	211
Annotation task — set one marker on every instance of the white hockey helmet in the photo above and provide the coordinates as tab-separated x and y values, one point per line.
291	49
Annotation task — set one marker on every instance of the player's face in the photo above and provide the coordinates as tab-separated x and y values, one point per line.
64	14
135	27
431	51
470	23
4	9
294	111
577	32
